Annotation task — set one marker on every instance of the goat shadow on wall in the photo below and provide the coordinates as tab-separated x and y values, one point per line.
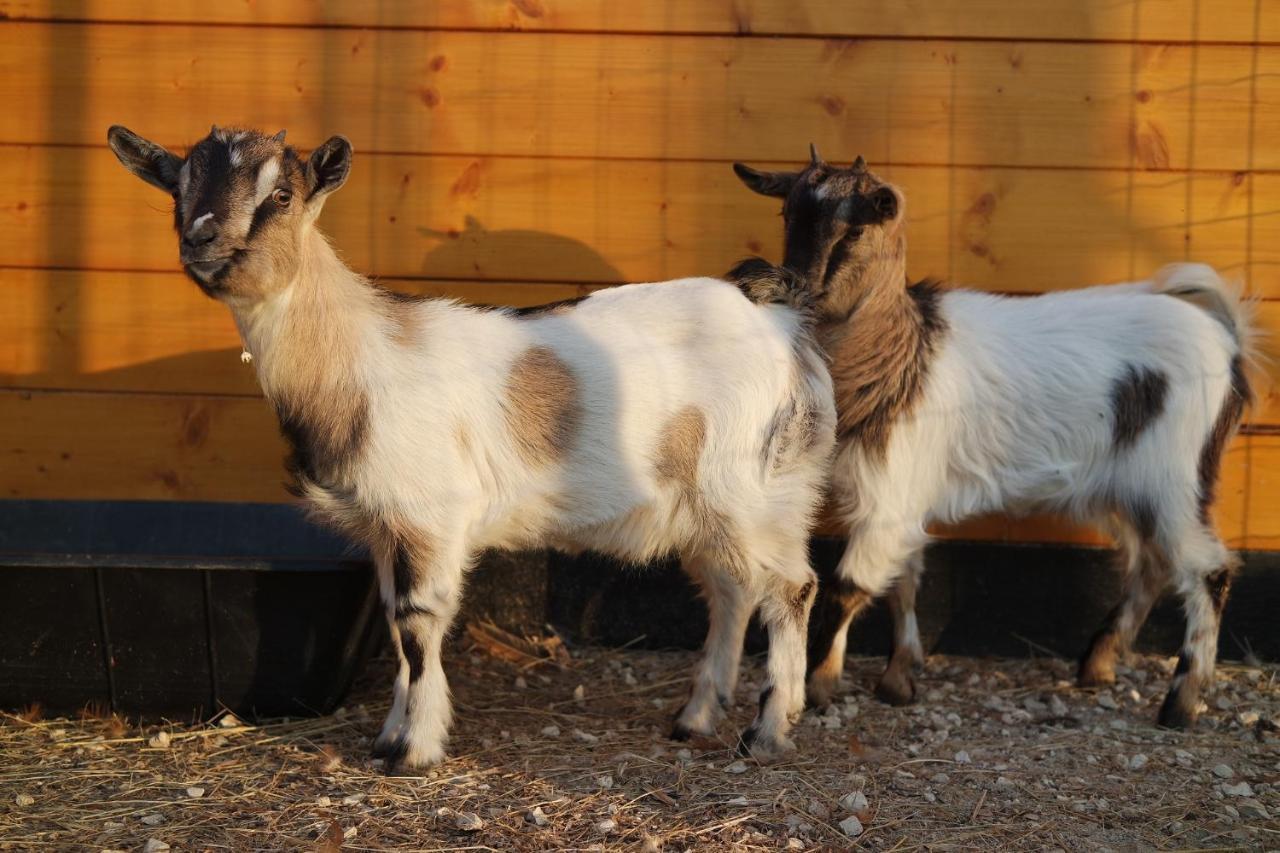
475	250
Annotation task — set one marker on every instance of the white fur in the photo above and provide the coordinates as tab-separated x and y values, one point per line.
268	172
638	354
1016	415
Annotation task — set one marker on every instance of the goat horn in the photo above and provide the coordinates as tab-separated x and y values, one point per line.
279	137
814	157
859	164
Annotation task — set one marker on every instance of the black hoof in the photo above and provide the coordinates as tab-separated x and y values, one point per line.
681	732
746	739
896	689
1177	713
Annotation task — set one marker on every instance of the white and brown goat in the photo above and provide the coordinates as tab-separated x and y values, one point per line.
678	417
1109	404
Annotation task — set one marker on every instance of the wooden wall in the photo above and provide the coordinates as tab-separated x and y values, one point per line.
519	151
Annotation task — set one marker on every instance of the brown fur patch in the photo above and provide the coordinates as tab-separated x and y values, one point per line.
679	452
543	406
880	358
680	449
1218	585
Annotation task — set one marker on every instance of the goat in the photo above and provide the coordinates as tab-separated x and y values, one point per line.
1110	404
654	418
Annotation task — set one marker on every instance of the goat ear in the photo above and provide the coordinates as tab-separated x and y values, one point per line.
149	161
328	167
884	202
776	184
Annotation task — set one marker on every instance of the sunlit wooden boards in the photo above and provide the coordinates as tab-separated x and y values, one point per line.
155	332
158	446
1116	20
592	221
1062	104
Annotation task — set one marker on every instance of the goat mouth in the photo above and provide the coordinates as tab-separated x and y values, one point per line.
208	267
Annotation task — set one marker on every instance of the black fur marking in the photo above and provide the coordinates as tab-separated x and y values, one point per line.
393	754
536	310
1137	401
927	295
1142	514
748	738
681	732
321	455
413	652
764	698
1218	585
266	212
725	702
763	283
402	572
1184	664
1239	396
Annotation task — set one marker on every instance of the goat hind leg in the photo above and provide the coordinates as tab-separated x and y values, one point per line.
729	606
785	613
1144	576
897	685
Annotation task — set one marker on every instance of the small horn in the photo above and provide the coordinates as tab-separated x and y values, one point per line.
279	137
814	157
213	130
859	165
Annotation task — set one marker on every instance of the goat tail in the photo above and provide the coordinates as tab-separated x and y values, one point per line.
766	284
1200	285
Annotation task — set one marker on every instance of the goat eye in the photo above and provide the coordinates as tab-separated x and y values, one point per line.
282	197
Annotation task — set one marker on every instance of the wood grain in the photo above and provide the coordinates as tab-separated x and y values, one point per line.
1168	20
658	97
592	221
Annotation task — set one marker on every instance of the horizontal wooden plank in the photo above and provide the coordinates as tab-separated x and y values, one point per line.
113	331
905	101
1167	20
155	332
165	447
593	221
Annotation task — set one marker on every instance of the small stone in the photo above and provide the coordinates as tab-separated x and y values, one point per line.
962	757
469	822
323	801
1183	757
1249	718
738	801
1004	782
152	819
818	810
736	767
160	740
154	845
229	721
112	826
537	816
521	684
851	826
1231	812
855	802
1240	789
1057	707
1222	703
604	782
606	826
195	793
795	844
1106	700
585	737
1137	762
579	693
650	844
629	677
1254	810
1133	696
353	799
551	731
25	800
684	754
939	778
930	797
1223	771
349	833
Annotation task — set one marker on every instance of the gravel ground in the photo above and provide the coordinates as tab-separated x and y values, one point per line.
997	754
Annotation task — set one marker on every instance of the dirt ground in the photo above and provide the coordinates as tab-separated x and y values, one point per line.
996	754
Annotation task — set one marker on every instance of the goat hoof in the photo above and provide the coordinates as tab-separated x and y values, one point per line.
681	732
818	693
896	688
1096	672
1178	712
764	749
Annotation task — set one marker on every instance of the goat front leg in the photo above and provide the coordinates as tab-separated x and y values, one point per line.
729	606
427	579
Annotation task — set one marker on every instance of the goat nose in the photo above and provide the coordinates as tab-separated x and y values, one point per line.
202	230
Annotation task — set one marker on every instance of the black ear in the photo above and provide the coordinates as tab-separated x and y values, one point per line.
328	167
151	162
776	184
884	202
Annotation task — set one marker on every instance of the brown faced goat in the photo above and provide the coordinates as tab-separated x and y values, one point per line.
648	419
1109	404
